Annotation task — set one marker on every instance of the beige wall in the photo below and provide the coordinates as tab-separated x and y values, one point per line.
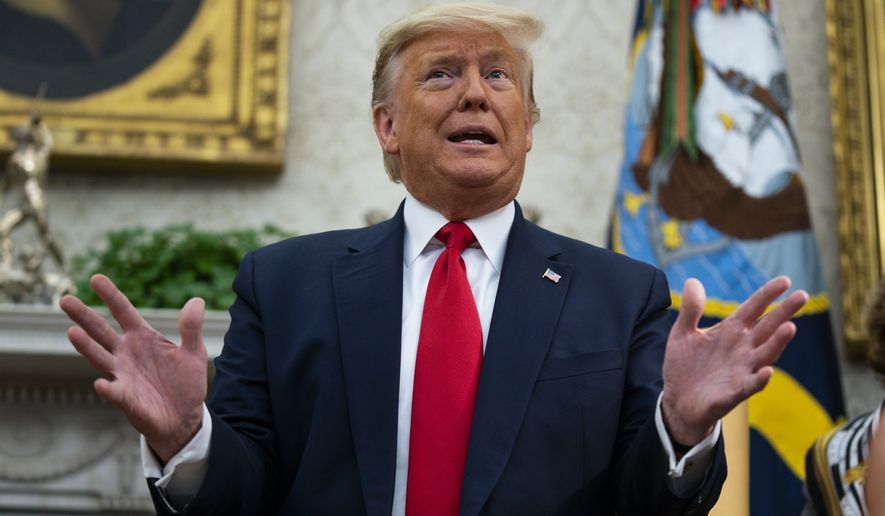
333	171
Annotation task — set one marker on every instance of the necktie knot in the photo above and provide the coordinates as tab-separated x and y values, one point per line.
456	235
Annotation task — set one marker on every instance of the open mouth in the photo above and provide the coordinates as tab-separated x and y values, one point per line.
473	138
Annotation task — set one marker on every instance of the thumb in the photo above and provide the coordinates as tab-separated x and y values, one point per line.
693	299
190	324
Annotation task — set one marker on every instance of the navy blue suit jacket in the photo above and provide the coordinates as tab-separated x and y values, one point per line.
304	401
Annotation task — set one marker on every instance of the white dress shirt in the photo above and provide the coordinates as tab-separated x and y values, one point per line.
182	476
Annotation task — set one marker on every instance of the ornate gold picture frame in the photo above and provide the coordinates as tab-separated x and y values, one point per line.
856	34
203	89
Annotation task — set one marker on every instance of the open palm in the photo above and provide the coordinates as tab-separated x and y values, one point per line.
708	372
158	385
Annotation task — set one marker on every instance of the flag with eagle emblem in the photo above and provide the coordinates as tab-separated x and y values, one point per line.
711	187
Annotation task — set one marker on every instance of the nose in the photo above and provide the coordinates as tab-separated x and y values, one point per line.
473	96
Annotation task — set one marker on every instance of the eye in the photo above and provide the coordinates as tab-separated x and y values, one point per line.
437	74
498	74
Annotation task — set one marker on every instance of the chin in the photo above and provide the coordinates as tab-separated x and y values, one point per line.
477	175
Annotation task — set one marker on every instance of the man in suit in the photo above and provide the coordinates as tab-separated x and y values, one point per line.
454	359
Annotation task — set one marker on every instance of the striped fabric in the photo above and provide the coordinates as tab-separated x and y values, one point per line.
835	468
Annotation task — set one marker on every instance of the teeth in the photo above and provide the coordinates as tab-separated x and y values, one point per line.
473	138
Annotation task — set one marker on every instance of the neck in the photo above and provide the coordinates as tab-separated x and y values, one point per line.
465	210
465	204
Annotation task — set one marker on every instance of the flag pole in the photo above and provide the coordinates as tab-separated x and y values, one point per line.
735	497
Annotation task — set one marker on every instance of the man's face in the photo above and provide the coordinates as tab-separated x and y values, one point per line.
458	122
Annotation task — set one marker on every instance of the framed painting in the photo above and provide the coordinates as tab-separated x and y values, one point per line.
149	84
856	34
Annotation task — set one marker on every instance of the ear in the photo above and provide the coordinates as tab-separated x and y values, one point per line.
529	126
385	129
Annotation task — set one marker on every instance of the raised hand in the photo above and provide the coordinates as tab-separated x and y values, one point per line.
709	372
158	385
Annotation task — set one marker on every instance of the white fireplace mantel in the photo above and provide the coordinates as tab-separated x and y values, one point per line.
33	338
62	449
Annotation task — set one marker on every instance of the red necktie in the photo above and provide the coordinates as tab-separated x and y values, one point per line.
446	379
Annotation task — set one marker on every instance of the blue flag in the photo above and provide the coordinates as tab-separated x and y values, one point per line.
711	188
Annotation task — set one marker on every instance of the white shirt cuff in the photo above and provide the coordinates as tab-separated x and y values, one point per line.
183	475
687	473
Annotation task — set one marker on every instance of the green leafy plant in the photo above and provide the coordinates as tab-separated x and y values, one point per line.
163	268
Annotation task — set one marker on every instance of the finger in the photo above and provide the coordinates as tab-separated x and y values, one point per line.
768	353
91	321
758	302
757	381
190	325
97	356
692	308
119	305
782	313
110	391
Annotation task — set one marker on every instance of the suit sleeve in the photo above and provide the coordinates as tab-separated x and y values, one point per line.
242	469
640	472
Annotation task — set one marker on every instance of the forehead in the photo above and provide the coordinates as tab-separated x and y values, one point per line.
451	45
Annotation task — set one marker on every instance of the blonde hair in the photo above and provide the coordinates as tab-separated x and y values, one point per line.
519	28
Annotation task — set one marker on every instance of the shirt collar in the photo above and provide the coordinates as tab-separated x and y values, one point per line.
422	222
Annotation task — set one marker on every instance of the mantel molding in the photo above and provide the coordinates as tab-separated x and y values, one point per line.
63	450
39	330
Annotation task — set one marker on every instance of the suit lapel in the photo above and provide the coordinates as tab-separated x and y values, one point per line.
368	295
527	308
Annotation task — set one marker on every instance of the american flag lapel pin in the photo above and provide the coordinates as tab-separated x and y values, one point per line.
552	276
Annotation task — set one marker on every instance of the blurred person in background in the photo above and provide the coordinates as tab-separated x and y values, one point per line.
845	468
